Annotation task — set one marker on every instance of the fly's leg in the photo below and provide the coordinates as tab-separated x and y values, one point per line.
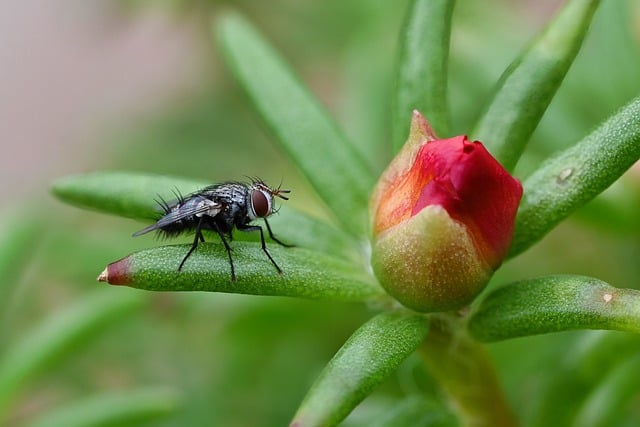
198	238
264	245
228	248
273	237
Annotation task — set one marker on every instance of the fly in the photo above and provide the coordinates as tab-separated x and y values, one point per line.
220	208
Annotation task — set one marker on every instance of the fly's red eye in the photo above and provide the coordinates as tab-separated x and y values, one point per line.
260	203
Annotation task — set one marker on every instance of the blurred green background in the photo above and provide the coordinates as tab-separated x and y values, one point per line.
138	85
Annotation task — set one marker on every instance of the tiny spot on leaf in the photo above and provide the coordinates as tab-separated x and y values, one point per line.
564	175
607	297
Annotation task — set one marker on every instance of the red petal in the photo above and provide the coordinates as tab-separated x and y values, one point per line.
474	189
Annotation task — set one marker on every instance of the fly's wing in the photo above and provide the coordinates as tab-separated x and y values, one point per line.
194	207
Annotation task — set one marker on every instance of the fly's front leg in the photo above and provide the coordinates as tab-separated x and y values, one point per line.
274	237
264	245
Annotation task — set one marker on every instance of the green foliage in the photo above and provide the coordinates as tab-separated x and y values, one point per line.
330	260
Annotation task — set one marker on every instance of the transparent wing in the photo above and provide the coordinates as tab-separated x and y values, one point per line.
194	207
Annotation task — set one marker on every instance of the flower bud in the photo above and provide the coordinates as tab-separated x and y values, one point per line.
443	217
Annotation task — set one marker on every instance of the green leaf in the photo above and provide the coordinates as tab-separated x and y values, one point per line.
306	274
552	304
134	195
59	335
530	82
303	128
422	71
605	405
368	357
576	175
117	409
128	194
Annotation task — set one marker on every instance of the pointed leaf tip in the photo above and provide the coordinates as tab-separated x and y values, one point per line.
104	276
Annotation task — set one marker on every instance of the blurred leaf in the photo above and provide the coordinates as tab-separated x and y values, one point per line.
306	274
364	82
576	175
422	68
368	357
605	405
410	411
528	85
305	131
19	240
58	336
554	303
117	409
616	209
588	363
134	195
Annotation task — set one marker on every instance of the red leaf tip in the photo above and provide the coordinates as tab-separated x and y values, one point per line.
116	273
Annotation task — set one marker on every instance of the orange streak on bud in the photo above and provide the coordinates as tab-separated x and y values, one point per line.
399	198
400	185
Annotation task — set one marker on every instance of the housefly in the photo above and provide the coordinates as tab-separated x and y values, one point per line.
220	208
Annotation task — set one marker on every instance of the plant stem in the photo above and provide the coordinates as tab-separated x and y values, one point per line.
465	371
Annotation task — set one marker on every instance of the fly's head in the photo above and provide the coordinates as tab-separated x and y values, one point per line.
261	197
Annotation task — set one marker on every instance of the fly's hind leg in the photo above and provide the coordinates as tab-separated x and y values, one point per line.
198	238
